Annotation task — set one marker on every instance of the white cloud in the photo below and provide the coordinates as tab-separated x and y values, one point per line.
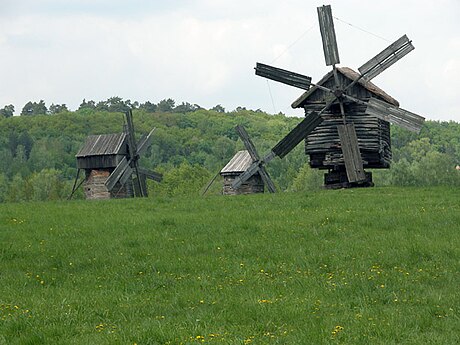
204	51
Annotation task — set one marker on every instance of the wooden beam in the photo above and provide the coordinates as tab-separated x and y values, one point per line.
351	154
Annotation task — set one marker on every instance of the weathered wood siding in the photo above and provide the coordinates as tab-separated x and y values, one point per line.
323	143
102	161
253	185
94	186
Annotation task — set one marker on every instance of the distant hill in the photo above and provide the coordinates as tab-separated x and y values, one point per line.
37	153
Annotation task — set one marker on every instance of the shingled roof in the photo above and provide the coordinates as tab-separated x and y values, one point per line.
238	164
102	144
352	75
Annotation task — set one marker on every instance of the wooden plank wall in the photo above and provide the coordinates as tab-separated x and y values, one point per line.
94	186
323	144
253	185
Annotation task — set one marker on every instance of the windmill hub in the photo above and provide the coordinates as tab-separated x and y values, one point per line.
338	92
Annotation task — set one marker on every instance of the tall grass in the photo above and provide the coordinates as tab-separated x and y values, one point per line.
367	266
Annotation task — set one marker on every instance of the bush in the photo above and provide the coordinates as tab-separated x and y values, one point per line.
186	179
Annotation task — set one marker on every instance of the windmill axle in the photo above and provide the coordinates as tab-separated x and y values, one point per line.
338	93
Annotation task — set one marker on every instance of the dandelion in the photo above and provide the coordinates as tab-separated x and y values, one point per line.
264	301
100	327
337	329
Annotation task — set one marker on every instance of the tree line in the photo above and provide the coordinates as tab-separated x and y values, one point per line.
37	153
112	104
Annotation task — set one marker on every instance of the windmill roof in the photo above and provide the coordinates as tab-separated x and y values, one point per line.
352	75
102	144
238	164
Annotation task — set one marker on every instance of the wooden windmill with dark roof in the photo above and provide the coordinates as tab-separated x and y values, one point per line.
346	126
111	164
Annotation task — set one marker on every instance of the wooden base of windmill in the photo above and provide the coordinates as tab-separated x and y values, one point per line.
94	186
336	179
252	186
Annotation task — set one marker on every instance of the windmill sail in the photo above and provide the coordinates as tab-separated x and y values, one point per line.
283	76
326	25
297	134
351	154
398	116
122	169
386	58
144	143
152	175
267	179
247	142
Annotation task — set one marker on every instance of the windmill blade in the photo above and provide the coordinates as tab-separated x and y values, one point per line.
326	25
239	180
144	143
152	175
283	76
140	186
142	190
121	174
295	136
267	180
247	142
397	116
351	154
131	143
133	152
386	58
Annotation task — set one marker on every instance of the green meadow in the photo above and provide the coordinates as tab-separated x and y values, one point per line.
360	266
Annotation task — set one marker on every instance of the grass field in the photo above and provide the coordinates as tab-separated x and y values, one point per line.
368	266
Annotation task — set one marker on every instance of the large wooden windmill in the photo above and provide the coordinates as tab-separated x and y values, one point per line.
111	164
346	125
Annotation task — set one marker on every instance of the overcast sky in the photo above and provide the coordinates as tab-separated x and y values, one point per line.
204	51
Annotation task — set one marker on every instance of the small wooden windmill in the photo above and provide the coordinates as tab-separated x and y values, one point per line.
346	125
111	164
234	168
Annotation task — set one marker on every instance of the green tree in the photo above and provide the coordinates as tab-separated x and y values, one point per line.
166	105
186	108
19	163
6	160
307	179
24	139
3	187
46	185
148	107
7	110
102	106
186	179
34	108
116	104
19	189
434	169
87	105
57	108
218	108
402	173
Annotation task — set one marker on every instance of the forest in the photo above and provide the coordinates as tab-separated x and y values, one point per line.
190	145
